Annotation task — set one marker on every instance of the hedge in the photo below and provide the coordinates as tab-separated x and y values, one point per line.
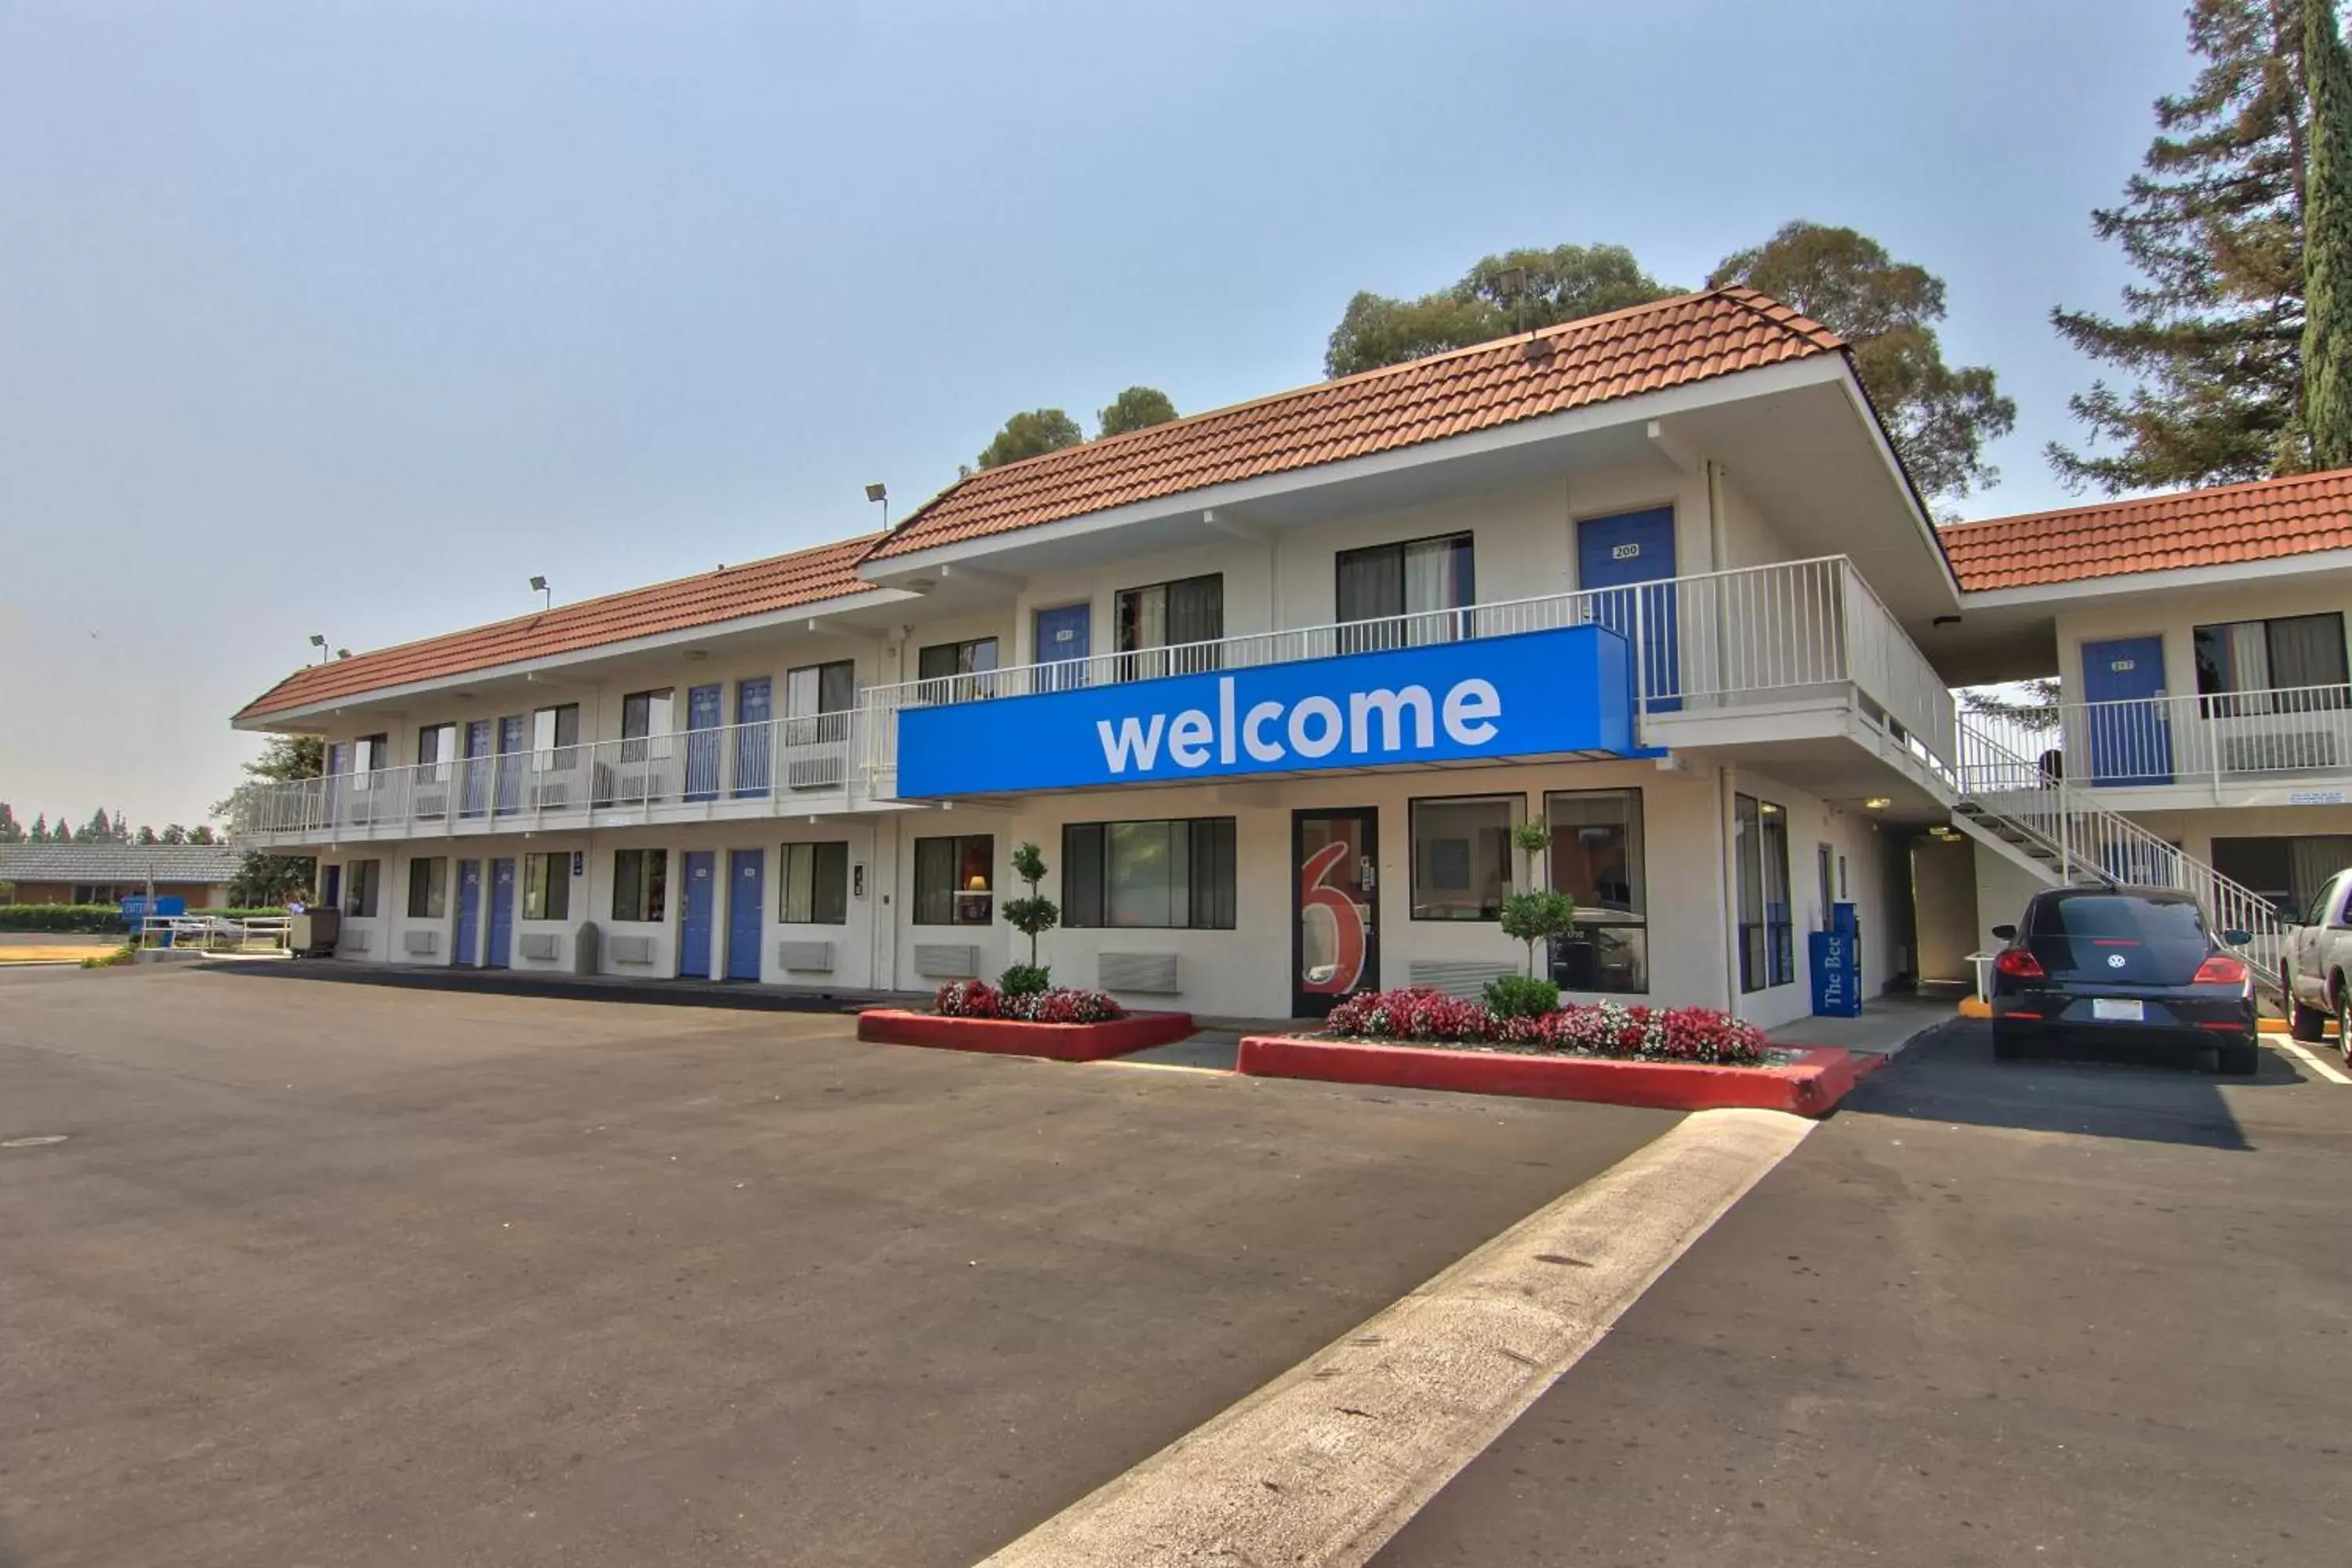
91	918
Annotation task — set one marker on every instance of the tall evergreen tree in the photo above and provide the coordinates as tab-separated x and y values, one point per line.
40	833
11	830
2212	335
2327	242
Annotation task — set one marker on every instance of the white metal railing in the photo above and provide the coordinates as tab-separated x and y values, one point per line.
1746	636
2083	841
2214	739
216	933
776	760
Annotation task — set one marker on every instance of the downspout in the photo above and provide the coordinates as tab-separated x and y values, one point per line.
1716	546
1727	888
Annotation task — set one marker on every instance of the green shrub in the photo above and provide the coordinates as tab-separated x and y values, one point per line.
123	954
1025	980
1521	996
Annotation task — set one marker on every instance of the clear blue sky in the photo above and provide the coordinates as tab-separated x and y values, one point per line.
348	318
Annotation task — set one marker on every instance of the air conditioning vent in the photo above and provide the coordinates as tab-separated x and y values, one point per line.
1143	973
421	944
630	949
546	944
805	957
1458	976
2271	750
947	961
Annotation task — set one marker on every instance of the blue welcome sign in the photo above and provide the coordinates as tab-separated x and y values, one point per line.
1531	695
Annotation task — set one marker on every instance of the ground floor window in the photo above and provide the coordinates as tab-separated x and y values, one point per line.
1170	875
429	888
955	881
105	893
546	887
2288	871
359	878
1462	857
640	884
1768	934
1598	858
815	889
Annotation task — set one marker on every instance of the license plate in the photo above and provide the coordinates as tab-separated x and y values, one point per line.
2109	1011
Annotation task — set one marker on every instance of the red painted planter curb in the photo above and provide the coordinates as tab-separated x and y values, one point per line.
1810	1087
1014	1038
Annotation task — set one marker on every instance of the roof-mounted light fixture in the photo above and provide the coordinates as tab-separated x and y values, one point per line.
538	585
880	494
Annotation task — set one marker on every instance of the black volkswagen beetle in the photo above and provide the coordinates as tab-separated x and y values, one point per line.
2111	971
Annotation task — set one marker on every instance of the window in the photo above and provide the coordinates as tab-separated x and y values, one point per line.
815	889
950	671
1175	875
552	730
954	881
1767	938
1424	578
1170	614
370	755
436	749
547	885
1596	857
429	888
640	884
2272	666
643	714
1462	857
359	878
2290	872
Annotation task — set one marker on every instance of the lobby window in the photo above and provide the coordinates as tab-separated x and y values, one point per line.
2296	664
1597	857
1767	938
1170	875
1151	621
1462	857
815	884
1426	579
547	885
955	881
429	888
640	884
643	714
956	671
360	879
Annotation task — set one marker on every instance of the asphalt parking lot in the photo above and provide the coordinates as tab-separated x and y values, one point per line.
330	1274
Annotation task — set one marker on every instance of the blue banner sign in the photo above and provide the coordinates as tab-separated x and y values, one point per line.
1535	694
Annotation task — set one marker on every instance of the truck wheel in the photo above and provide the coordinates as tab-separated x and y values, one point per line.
2344	1020
2305	1024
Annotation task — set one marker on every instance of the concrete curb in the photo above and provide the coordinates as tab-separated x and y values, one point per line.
1013	1037
1812	1086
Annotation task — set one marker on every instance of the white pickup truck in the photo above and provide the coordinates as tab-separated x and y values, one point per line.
2317	959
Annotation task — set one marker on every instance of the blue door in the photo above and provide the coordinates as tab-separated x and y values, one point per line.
474	793
469	914
331	889
694	934
746	904
502	902
2130	733
702	743
510	766
1620	553
1063	636
754	707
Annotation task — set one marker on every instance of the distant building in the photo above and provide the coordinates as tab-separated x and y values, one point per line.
108	873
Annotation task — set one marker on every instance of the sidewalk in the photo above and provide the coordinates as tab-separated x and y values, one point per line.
1885	1025
580	987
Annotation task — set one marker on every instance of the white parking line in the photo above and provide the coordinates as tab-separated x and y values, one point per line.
2311	1061
1320	1467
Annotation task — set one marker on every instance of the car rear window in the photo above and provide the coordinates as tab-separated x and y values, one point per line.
2143	920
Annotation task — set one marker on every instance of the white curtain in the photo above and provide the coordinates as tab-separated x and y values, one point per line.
1429	587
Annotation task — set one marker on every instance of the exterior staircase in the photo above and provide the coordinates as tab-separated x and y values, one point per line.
2024	811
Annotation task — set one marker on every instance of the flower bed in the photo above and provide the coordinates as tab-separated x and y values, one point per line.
1067	1026
1420	1017
1060	1004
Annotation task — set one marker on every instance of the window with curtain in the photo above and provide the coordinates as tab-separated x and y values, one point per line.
554	731
643	714
1462	857
815	884
2289	665
1747	865
1423	579
1171	875
1597	857
437	748
1780	911
640	884
547	885
955	671
429	888
359	878
1149	622
955	881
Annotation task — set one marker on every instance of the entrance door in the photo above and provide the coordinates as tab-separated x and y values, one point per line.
331	889
1335	857
702	743
510	766
474	772
747	899
469	915
502	902
1063	637
694	934
754	708
1619	553
2130	733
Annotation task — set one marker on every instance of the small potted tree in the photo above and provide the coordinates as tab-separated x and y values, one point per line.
1535	913
1032	916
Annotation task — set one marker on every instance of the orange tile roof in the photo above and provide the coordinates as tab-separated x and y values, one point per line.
732	593
2267	520
1670	342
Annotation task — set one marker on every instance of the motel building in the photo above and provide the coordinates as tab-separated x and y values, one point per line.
1271	686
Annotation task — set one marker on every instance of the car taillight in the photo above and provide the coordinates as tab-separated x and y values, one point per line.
2221	969
2019	965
